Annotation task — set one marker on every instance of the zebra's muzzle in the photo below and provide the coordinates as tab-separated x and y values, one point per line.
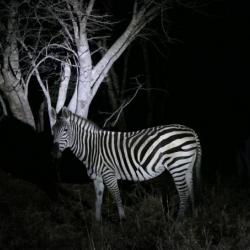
55	152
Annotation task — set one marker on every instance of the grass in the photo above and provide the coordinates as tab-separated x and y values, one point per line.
30	220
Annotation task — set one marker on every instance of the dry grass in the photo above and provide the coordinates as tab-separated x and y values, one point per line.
30	220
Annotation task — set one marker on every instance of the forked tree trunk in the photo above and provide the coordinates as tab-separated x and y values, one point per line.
73	18
90	76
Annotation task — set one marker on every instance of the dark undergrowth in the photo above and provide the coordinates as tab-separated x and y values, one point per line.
30	220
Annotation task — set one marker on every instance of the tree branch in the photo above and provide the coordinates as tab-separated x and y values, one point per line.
65	77
62	23
117	113
88	12
139	19
74	23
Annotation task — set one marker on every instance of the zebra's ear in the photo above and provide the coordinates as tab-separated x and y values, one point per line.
53	116
65	113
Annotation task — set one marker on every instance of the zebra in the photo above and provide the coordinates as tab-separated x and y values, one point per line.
134	156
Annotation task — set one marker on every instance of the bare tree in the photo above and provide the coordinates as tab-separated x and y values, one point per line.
77	22
59	41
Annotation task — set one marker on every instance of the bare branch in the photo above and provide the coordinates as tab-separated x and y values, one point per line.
43	86
88	12
62	23
90	7
60	46
65	77
139	19
74	23
117	113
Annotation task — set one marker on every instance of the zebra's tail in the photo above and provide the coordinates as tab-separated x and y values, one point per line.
197	171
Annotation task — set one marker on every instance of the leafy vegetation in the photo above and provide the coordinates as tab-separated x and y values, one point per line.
30	220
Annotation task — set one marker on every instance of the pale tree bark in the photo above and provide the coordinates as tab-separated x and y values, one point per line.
10	75
139	19
64	84
43	85
91	76
4	108
14	77
81	98
71	45
23	36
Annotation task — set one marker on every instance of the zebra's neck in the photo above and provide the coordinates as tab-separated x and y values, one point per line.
84	141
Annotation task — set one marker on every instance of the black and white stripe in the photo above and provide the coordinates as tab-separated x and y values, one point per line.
134	156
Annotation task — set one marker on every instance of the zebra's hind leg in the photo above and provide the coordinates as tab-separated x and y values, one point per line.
183	192
110	181
99	188
190	186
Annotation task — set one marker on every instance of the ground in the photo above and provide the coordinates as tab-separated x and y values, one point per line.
31	220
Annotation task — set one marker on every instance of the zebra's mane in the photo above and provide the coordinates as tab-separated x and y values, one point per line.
83	121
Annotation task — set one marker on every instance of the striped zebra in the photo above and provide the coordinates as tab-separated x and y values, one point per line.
133	156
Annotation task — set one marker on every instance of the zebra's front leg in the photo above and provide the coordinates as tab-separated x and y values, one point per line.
110	181
99	188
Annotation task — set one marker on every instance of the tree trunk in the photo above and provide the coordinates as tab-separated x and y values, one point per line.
10	75
20	107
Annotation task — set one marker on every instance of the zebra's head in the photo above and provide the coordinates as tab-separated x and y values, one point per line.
61	131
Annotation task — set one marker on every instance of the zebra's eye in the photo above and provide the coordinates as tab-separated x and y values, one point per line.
66	129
